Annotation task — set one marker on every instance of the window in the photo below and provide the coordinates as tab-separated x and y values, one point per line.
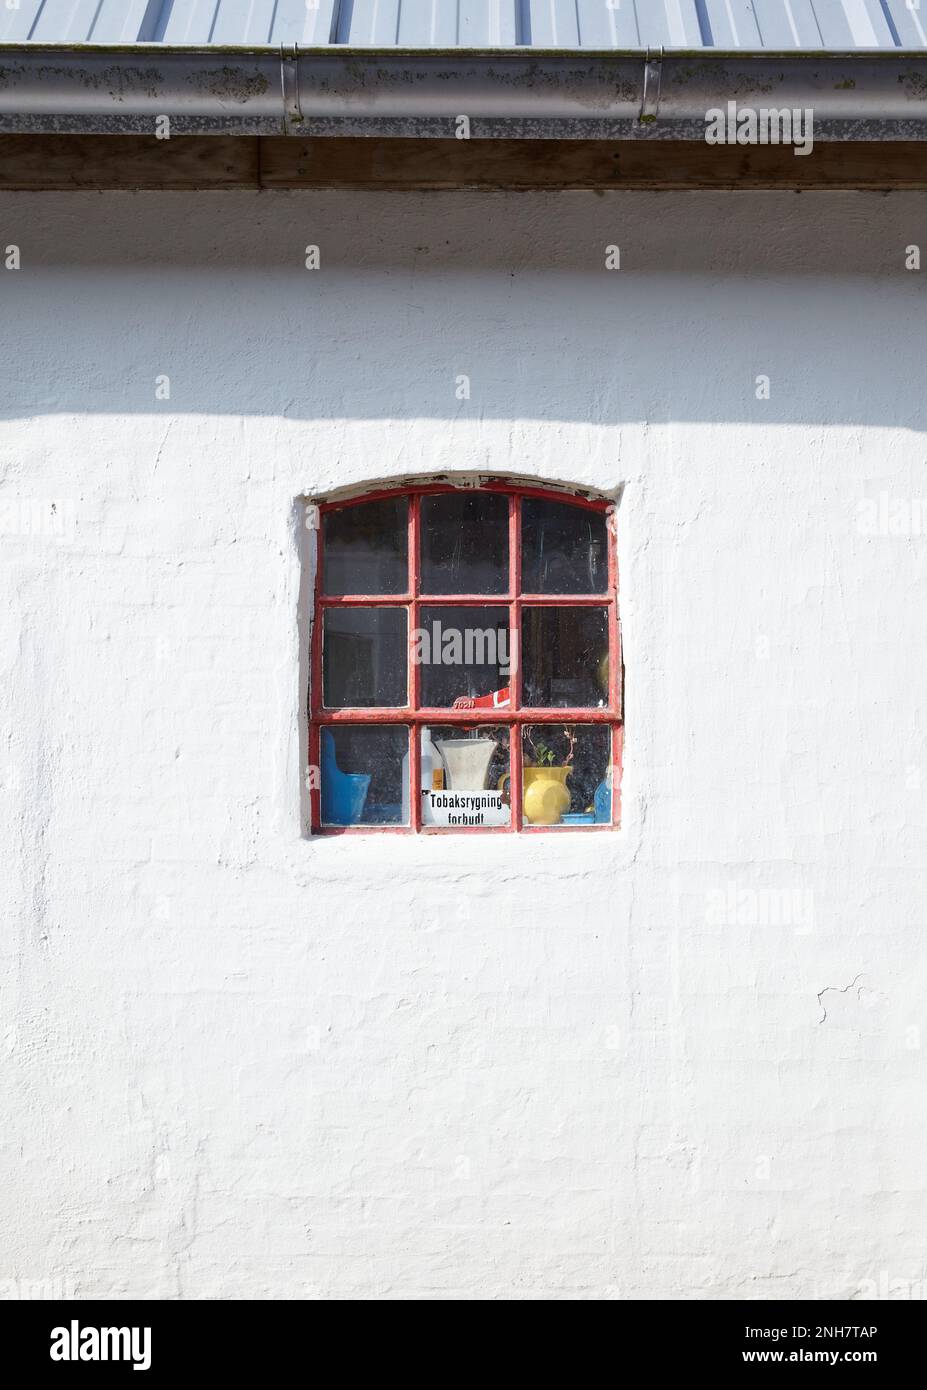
466	668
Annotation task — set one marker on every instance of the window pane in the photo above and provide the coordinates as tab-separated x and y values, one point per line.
463	772
464	656
365	548
364	657
564	548
465	543
565	657
566	778
362	769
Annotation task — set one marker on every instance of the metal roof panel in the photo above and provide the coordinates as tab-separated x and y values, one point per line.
428	24
16	25
295	22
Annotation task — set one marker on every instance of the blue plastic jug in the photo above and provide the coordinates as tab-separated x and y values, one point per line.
343	793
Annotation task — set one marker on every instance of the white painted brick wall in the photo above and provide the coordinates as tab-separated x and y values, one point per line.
240	1063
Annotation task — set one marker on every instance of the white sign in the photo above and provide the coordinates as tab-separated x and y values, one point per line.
464	808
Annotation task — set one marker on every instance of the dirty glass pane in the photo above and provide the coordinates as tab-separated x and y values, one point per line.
364	657
362	768
464	656
465	543
365	548
564	548
565	657
465	776
566	777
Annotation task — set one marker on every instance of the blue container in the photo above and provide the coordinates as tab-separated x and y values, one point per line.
603	804
343	793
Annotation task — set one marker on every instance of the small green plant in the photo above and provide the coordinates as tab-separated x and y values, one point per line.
542	755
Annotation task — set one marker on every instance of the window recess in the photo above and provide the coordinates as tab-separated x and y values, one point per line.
466	668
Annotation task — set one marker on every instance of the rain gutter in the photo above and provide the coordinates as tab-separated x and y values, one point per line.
504	93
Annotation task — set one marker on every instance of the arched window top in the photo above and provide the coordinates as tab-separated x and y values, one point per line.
466	661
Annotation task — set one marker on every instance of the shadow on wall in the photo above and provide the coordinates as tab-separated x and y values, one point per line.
756	307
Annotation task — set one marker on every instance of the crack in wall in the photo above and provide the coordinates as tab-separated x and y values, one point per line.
835	989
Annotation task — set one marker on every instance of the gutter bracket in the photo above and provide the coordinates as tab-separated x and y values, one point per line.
653	76
289	86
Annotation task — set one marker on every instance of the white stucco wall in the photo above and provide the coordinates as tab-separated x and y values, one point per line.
687	1060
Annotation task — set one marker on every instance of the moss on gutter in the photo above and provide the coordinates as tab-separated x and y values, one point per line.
523	51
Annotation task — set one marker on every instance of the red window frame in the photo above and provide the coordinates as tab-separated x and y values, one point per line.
514	717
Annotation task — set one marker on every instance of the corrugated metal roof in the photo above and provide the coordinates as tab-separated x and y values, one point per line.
572	24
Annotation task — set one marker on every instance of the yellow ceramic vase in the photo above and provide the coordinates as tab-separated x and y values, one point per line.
546	796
